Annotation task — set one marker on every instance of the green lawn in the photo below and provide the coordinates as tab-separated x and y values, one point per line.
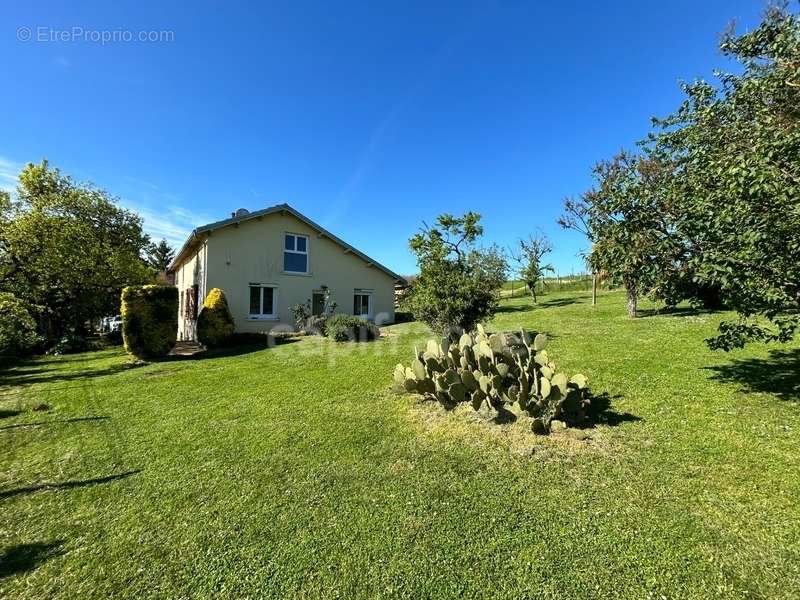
294	472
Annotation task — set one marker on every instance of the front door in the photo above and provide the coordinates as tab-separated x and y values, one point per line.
317	303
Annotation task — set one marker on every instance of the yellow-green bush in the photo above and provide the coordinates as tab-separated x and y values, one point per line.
149	320
215	325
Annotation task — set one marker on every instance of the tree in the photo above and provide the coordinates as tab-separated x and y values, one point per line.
528	256
734	152
458	284
67	250
625	214
160	255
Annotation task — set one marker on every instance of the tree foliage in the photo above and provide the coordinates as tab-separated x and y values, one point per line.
160	255
458	282
67	250
17	328
626	215
710	209
734	156
528	256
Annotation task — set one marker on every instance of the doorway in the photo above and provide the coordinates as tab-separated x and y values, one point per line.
317	304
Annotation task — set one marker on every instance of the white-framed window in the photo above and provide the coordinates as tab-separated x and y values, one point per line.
362	303
263	301
295	253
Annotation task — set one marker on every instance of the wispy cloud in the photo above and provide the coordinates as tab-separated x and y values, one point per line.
163	215
62	61
382	133
9	171
142	182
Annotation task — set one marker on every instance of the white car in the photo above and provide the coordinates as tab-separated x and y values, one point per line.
113	323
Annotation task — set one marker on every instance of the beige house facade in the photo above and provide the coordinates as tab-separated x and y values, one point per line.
269	260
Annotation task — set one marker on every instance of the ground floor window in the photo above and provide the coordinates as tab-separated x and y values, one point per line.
362	303
263	301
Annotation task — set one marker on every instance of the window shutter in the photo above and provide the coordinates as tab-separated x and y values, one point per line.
195	290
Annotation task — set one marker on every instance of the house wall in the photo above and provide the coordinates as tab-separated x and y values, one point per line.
192	271
252	252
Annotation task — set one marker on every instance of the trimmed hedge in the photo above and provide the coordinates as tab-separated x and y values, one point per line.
215	324
342	328
149	320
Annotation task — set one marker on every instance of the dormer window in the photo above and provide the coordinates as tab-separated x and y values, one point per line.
295	253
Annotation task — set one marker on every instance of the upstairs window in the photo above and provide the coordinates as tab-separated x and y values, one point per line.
295	253
262	301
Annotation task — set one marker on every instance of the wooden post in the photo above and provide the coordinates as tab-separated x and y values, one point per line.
594	289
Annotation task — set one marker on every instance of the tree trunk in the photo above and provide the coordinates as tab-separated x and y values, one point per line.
532	289
630	286
594	289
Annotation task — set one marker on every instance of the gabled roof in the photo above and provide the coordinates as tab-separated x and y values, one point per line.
194	237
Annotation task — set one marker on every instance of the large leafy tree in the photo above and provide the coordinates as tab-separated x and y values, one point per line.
458	282
529	257
734	156
67	249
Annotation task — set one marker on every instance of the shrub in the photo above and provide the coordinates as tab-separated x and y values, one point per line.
458	282
71	343
305	319
495	372
342	328
113	338
149	320
17	328
215	325
301	313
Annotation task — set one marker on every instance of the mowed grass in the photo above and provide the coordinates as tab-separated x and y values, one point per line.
294	472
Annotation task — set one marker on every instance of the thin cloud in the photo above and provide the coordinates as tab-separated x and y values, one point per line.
9	173
163	215
173	224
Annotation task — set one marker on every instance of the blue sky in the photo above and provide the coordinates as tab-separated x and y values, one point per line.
368	117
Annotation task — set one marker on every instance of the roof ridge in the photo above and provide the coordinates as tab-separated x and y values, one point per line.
270	210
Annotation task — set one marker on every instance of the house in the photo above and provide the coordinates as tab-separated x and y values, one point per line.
269	260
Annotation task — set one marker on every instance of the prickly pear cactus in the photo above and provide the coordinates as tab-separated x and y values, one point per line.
496	370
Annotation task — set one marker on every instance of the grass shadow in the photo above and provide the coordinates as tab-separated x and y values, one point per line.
674	311
237	350
4	413
20	376
558	302
505	308
26	557
600	412
66	485
503	416
779	374
54	422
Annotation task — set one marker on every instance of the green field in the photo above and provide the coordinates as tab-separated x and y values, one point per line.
293	472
